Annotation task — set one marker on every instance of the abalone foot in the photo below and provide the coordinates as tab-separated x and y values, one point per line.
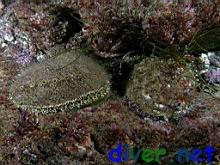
83	101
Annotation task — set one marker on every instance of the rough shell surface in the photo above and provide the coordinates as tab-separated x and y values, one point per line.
68	80
162	88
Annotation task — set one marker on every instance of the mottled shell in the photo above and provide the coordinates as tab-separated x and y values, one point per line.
69	80
162	88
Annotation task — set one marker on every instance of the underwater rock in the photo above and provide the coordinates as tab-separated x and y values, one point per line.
200	128
210	73
112	123
211	62
212	76
215	60
66	136
57	159
26	30
68	80
98	131
38	2
211	59
162	88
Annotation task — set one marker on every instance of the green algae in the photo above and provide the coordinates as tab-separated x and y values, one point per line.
205	41
66	81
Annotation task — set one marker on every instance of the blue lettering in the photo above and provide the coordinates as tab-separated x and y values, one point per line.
118	157
126	152
209	150
183	153
195	154
135	156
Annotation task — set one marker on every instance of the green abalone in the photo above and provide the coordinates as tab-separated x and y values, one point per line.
66	81
162	88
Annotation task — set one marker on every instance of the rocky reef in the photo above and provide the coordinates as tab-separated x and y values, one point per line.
145	74
27	31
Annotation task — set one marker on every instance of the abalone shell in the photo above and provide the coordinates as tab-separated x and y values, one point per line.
162	88
66	81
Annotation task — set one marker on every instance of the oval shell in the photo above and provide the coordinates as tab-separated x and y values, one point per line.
69	80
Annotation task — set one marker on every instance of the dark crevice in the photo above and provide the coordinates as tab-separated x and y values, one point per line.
96	145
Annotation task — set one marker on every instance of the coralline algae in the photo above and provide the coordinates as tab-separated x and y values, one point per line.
67	81
27	30
212	76
211	73
15	42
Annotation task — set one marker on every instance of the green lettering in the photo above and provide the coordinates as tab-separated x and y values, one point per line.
158	153
148	156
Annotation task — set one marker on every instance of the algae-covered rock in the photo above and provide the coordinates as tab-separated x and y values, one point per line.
27	30
69	80
162	88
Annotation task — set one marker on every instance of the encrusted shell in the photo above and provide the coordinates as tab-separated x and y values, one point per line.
162	88
69	80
